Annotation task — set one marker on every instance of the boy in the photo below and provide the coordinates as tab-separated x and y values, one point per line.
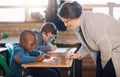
46	33
22	53
44	36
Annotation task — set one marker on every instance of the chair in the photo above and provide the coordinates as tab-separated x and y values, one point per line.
9	46
4	65
4	35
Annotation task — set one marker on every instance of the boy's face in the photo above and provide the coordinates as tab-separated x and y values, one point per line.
28	44
47	37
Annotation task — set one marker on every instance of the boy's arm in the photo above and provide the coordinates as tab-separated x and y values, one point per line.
28	59
24	59
21	57
34	53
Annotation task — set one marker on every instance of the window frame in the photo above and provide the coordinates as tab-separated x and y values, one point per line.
26	7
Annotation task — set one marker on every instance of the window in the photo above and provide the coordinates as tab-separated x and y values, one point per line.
96	1
111	7
12	14
101	9
22	10
116	13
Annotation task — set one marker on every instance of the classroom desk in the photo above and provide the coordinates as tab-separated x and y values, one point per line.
77	64
3	50
58	61
10	40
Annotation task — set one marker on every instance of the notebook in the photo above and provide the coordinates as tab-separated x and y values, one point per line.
64	50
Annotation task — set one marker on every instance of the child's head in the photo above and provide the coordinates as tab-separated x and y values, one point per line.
27	40
48	31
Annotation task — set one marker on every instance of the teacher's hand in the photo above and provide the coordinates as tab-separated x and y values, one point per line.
72	56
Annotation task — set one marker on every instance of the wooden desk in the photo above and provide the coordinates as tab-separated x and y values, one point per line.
9	40
58	59
77	64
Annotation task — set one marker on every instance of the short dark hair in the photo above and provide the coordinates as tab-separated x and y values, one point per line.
25	35
49	27
70	10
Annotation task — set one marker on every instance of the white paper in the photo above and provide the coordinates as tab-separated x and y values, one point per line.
49	59
71	51
61	50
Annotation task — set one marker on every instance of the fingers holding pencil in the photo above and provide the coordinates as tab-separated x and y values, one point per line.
72	56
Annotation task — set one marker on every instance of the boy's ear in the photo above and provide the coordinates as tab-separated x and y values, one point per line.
24	41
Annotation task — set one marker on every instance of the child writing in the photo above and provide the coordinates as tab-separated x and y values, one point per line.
22	53
46	33
44	36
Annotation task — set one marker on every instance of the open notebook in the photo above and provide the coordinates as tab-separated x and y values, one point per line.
70	50
64	50
60	50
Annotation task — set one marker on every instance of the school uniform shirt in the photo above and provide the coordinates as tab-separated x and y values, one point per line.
24	56
40	44
100	32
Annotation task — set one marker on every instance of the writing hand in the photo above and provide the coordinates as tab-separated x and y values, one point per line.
47	56
53	47
72	56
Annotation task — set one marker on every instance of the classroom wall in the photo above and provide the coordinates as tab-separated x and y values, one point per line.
14	29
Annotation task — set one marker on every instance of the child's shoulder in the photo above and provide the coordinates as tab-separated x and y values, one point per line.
18	48
35	31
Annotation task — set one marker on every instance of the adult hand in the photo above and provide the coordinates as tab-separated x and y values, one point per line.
72	56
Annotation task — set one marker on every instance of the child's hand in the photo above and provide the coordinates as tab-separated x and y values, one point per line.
53	47
47	56
39	58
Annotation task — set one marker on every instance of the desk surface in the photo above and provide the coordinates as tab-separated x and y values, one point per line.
58	61
3	49
10	40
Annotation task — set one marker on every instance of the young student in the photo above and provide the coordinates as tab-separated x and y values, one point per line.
46	33
22	53
99	35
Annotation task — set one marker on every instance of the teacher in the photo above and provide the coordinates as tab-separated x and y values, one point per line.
99	35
